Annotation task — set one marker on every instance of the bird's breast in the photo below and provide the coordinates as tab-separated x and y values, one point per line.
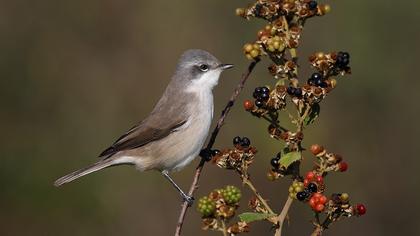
191	136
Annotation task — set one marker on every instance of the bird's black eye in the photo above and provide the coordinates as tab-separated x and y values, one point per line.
204	67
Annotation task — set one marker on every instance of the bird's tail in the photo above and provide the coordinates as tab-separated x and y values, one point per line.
82	172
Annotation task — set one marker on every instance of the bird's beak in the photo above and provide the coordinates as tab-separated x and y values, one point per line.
225	66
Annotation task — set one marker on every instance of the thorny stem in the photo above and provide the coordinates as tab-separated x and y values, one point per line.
210	144
282	216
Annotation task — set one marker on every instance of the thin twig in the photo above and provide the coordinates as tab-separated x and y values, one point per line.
210	144
248	183
224	229
282	216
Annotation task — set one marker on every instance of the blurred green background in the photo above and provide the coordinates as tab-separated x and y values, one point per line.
76	74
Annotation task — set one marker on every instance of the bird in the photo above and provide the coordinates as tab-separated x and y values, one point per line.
173	134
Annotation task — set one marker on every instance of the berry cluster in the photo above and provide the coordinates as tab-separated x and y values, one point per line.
318	201
270	10
328	161
314	186
220	202
261	95
340	206
243	142
231	194
331	64
317	80
275	44
206	206
312	177
237	158
219	207
252	51
342	60
266	100
296	187
294	92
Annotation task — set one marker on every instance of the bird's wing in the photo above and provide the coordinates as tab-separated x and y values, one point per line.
141	135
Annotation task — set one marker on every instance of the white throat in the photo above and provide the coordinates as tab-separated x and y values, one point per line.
207	81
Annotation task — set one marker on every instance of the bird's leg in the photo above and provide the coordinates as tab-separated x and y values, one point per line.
186	198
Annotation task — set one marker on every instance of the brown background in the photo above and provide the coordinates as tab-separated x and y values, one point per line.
76	74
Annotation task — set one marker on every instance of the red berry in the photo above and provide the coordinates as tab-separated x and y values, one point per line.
312	202
316	149
319	207
319	179
317	196
343	166
310	175
323	199
306	182
248	105
360	209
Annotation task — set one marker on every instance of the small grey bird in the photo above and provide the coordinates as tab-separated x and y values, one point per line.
174	133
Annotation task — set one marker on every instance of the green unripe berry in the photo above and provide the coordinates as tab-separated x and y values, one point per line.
298	189
248	47
276	44
206	206
292	195
254	53
231	195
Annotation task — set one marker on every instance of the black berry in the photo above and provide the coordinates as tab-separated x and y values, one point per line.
320	83
346	55
311	81
264	96
312	5
312	187
317	76
298	92
291	90
301	196
259	103
237	140
264	90
245	142
215	152
275	162
257	92
343	59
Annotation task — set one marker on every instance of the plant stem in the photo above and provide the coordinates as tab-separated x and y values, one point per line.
210	144
248	183
224	230
283	214
318	231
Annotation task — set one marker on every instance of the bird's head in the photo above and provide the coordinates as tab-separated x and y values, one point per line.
198	68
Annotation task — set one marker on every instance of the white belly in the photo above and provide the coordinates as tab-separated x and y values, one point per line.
195	132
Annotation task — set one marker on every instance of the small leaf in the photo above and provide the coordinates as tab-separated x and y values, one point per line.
289	158
315	109
252	216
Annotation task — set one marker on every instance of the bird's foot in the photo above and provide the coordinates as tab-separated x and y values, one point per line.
188	199
207	153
